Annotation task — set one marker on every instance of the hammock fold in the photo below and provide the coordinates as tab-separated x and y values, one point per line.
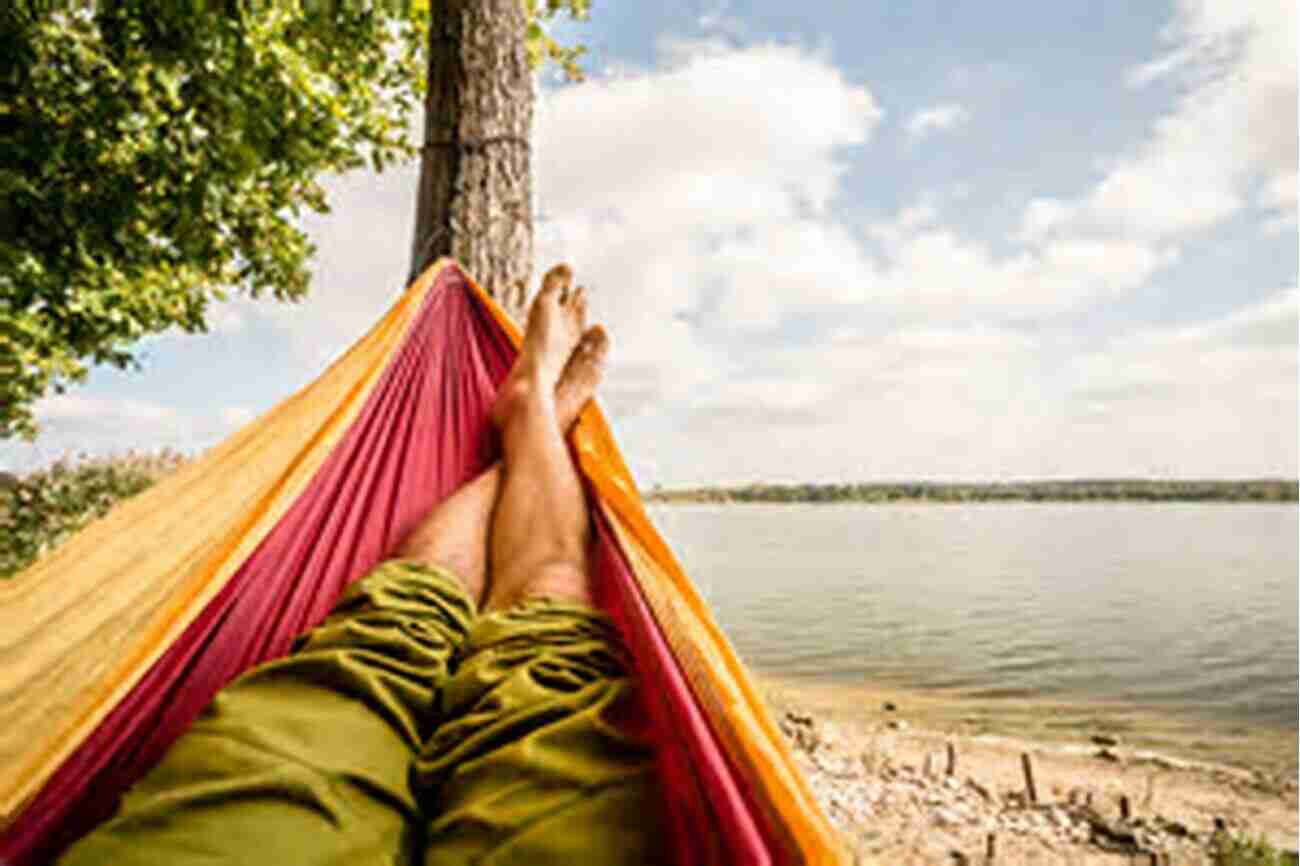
111	645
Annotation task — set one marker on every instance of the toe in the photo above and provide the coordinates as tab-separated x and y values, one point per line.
578	301
548	297
595	344
555	285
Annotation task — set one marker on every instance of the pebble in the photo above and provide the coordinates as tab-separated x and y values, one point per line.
946	816
864	798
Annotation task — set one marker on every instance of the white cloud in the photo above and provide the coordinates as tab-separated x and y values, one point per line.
783	267
1041	217
1279	196
1216	398
937	271
933	401
778	400
718	134
82	424
719	20
1211	399
704	183
956	364
937	118
1233	125
74	409
1228	140
1254	345
908	220
725	218
235	417
363	251
227	317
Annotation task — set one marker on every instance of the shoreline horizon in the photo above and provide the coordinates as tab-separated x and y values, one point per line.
1061	722
1154	491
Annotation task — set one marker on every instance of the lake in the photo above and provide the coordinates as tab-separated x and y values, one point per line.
1186	607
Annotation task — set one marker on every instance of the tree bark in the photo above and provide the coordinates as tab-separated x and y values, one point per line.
474	201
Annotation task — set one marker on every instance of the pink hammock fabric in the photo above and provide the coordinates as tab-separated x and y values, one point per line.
423	432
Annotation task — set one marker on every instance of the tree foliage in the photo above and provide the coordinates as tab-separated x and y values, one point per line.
157	155
543	47
41	510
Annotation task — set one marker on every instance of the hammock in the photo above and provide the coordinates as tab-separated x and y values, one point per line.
113	643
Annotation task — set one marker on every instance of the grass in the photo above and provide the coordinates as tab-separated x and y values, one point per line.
1241	850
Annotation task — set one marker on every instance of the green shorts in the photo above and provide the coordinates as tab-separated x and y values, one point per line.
405	729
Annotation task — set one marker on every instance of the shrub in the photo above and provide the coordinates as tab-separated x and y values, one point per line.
1241	850
39	510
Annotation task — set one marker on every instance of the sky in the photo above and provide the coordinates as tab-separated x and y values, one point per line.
859	242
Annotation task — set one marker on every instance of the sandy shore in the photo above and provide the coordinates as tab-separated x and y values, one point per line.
878	761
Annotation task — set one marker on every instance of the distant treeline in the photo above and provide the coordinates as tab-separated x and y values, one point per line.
1088	490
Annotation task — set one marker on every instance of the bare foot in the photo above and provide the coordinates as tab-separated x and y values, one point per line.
581	375
455	534
555	325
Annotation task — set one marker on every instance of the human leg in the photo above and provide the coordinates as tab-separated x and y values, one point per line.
455	534
540	528
306	759
534	763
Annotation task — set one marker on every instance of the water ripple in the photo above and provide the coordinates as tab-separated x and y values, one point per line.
1194	607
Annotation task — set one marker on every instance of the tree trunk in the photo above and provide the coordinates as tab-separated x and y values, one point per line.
474	201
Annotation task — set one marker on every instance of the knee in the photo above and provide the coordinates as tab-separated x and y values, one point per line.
563	578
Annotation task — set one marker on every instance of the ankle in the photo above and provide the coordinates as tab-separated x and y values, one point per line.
523	395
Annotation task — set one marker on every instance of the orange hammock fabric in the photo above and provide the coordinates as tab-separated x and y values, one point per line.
112	644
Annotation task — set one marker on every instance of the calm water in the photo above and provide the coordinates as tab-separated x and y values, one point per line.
1191	607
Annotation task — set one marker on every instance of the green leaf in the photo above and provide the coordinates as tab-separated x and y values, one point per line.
154	158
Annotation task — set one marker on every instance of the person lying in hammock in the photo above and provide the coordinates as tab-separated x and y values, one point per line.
461	703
